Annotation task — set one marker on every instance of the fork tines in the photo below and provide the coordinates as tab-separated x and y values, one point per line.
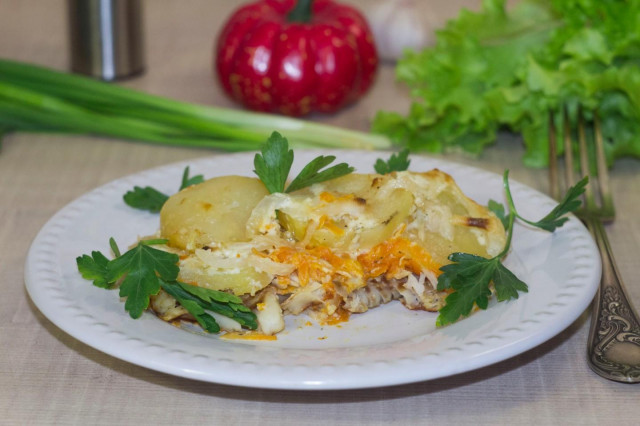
591	156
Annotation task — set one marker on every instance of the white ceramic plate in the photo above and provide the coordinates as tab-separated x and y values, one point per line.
385	346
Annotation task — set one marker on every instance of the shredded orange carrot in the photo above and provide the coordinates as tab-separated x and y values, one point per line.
395	255
247	336
328	197
319	263
339	316
283	280
389	258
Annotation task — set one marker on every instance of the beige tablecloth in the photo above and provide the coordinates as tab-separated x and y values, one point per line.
46	376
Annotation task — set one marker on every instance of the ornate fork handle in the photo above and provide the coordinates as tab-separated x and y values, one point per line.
614	336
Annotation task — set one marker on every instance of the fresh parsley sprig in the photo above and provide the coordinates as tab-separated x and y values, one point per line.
150	199
396	163
143	270
274	164
557	217
470	276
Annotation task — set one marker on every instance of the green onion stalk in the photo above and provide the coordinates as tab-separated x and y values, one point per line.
37	99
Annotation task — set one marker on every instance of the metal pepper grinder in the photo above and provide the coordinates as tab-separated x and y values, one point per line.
106	38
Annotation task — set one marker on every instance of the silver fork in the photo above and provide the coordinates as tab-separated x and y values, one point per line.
613	347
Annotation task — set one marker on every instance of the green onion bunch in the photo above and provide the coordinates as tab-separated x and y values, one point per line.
37	99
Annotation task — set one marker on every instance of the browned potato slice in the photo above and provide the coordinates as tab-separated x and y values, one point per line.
463	241
355	183
390	212
452	221
215	210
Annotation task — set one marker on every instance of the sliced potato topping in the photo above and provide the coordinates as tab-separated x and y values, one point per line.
215	210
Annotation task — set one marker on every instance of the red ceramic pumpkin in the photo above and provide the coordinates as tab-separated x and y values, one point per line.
293	57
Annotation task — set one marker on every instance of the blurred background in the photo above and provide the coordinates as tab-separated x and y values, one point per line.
190	53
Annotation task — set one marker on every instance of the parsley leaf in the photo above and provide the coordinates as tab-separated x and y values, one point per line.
94	268
190	304
469	277
197	300
211	296
147	198
313	173
144	270
556	217
152	200
188	181
274	164
141	266
507	285
222	303
396	163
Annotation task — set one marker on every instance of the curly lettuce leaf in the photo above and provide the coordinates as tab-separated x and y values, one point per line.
498	69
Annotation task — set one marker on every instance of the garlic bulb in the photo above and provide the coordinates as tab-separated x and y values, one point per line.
401	24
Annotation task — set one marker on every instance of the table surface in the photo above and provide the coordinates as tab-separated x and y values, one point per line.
49	377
